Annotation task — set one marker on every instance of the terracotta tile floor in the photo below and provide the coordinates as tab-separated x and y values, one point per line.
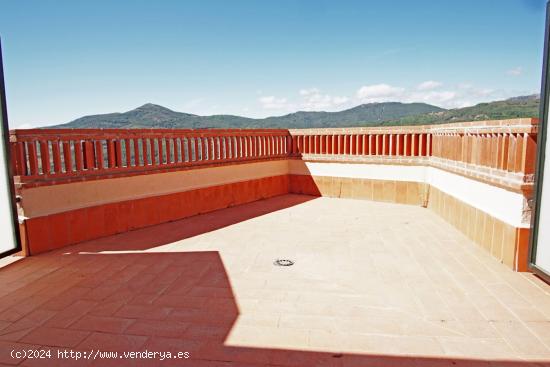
373	285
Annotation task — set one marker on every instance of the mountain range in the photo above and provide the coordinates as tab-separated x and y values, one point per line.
372	114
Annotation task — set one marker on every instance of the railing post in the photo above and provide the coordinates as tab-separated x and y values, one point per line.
137	160
127	153
18	158
528	154
67	156
118	153
99	154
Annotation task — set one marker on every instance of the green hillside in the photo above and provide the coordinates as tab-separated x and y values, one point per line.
526	106
372	114
151	115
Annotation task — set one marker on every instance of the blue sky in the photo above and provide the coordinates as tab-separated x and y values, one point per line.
66	59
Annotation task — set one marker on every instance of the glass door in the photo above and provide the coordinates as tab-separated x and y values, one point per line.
9	228
540	233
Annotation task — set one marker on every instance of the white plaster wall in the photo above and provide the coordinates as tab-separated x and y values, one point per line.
499	203
358	170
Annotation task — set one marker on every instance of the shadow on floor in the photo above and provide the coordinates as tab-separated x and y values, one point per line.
162	234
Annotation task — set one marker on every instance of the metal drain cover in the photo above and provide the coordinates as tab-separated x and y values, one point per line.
283	262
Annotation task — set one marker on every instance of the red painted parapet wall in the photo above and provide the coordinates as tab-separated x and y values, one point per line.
490	146
508	145
67	176
406	141
50	156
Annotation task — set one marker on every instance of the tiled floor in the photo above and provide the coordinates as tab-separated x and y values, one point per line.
373	285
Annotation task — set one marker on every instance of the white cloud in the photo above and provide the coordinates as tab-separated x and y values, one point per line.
273	103
431	92
379	93
429	85
515	71
340	100
461	95
313	99
431	97
307	92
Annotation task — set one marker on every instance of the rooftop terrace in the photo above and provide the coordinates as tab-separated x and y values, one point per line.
372	282
408	245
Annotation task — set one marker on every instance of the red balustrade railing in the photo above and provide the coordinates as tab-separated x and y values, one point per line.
50	155
505	145
42	154
508	145
405	142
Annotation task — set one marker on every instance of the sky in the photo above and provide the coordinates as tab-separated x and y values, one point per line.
258	58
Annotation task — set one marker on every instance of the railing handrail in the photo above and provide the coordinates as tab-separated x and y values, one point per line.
22	134
515	125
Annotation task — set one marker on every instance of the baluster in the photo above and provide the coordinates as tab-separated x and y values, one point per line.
89	160
20	158
118	153
253	147
161	150
429	145
504	152
227	147
190	149
184	147
56	156
79	161
288	145
137	161
99	154
179	145
359	146
45	157
111	155
244	146
153	151
217	148
33	158
128	150
67	156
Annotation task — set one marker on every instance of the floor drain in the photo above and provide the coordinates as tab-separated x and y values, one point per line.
283	262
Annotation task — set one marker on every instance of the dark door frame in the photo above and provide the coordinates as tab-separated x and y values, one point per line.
7	161
541	147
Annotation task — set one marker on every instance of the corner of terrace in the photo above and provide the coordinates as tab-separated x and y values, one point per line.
410	245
